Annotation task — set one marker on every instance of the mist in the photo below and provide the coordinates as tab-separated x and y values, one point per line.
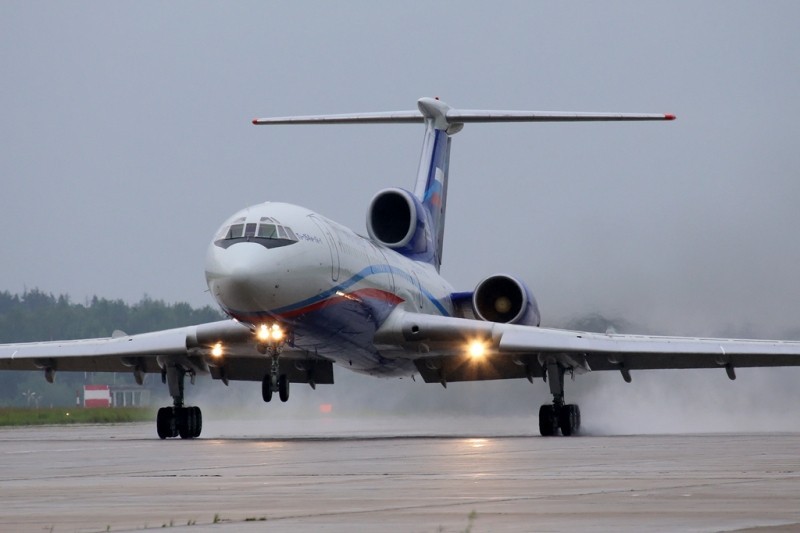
655	402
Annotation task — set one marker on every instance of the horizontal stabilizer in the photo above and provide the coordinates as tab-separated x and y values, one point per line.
386	117
456	116
468	115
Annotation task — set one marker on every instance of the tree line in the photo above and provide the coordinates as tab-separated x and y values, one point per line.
35	315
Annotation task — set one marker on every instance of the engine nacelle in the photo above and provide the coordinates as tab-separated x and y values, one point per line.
501	298
398	220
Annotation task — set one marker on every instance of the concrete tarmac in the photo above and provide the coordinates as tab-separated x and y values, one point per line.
394	475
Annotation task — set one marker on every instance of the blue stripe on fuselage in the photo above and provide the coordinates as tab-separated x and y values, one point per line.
363	274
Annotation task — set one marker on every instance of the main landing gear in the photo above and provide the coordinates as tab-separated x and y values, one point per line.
178	420
558	416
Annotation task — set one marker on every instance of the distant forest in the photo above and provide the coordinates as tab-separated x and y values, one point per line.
39	316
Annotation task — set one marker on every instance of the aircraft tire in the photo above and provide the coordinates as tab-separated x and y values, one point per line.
183	420
165	423
197	414
266	389
547	421
283	387
569	420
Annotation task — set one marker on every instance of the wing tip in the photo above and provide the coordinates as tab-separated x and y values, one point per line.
669	116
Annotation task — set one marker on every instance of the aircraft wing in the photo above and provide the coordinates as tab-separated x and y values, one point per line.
191	347
440	348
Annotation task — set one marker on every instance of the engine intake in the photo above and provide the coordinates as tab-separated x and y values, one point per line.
504	299
397	220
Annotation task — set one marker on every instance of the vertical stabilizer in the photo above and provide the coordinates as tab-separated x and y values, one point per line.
434	163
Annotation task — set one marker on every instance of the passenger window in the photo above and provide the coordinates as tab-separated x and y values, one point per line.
250	231
282	233
267	231
236	231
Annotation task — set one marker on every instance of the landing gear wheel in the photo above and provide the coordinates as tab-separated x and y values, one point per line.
185	421
198	421
266	388
189	421
283	387
165	423
569	419
547	421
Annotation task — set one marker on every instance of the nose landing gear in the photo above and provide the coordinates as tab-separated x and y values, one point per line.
271	341
275	382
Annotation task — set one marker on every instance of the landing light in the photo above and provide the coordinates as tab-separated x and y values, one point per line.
476	349
276	333
267	334
216	350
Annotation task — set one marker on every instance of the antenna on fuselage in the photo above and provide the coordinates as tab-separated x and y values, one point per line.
441	123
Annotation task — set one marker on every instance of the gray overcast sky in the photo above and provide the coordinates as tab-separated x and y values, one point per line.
126	141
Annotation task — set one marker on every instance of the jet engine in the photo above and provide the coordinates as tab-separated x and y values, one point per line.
398	220
504	299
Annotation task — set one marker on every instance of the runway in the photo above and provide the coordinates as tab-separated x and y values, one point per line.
401	475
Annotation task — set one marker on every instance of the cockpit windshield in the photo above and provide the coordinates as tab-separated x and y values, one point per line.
267	232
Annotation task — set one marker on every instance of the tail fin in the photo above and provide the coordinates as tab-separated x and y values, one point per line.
441	123
434	163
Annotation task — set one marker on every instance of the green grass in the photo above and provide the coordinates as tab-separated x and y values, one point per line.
12	416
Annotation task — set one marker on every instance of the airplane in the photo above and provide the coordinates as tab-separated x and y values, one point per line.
303	293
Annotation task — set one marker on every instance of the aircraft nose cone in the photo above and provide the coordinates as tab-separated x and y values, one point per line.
235	275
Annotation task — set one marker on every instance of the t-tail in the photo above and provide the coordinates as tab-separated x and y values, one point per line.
413	223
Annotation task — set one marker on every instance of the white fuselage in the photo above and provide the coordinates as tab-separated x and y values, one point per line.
330	286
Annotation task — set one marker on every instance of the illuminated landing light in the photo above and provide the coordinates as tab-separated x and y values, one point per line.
477	443
216	350
269	334
476	349
276	333
263	333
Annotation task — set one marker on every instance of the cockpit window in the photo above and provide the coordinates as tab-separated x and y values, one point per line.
236	232
268	233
